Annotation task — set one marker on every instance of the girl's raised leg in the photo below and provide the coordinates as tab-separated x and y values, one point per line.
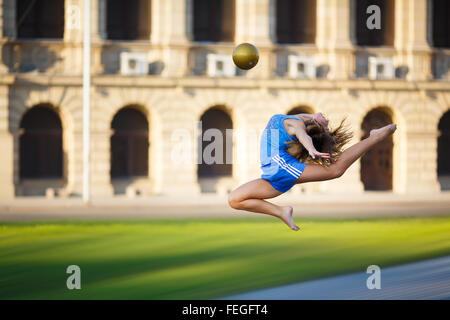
315	172
250	197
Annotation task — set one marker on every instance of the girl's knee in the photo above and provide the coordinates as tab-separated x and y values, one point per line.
234	201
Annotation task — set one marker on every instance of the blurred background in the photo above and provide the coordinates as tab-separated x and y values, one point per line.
163	65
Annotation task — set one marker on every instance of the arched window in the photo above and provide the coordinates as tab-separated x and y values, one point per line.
128	19
441	23
296	21
376	164
40	154
375	37
129	144
40	19
214	20
443	166
215	118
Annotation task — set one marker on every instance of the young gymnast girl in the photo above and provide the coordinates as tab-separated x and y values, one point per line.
289	155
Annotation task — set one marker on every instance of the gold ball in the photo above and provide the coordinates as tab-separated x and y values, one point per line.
245	56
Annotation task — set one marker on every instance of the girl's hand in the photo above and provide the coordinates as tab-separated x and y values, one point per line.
316	153
320	119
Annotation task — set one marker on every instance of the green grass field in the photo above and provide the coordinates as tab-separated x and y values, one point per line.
202	259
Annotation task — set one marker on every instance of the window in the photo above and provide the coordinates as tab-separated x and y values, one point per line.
214	20
296	21
443	163
40	154
129	144
40	19
376	164
375	37
441	23
215	118
128	20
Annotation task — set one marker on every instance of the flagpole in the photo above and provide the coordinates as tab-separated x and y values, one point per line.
86	100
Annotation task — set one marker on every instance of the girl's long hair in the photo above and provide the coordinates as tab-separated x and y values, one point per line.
328	142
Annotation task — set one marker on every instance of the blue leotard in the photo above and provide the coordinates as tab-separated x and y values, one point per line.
279	168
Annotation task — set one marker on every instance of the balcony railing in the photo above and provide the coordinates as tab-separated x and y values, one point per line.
33	56
441	64
61	57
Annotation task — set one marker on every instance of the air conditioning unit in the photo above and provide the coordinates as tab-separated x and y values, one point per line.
220	65
133	63
301	67
381	68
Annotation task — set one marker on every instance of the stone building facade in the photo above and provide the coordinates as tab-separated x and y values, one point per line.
398	73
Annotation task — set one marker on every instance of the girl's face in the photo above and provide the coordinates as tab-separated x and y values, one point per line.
321	120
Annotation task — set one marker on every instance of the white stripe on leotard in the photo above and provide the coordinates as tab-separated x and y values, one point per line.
294	174
290	166
286	167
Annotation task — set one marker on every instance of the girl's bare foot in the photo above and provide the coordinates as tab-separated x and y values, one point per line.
383	132
286	216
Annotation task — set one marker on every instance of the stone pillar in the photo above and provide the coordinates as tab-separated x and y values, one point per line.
73	33
333	36
175	170
170	35
255	23
411	38
100	148
421	148
421	175
100	164
75	160
177	17
74	21
99	159
98	34
73	37
157	28
7	143
344	106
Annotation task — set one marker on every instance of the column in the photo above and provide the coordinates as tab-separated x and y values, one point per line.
255	23
170	35
100	164
421	175
100	148
421	148
344	106
98	34
7	143
411	38
333	36
174	167
74	21
73	34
